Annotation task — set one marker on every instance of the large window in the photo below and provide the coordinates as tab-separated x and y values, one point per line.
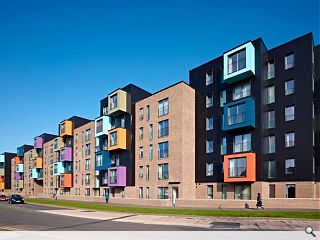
237	61
113	176
242	192
237	167
289	61
113	101
115	158
270	119
209	78
270	69
99	160
99	126
88	135
223	146
237	114
209	100
241	91
290	166
271	144
163	128
163	171
270	95
242	143
209	145
209	123
163	193
271	169
209	169
163	149
113	139
289	87
289	113
163	107
290	141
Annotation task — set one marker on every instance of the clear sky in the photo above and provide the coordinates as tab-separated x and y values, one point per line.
59	58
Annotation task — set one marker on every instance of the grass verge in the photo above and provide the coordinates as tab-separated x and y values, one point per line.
177	211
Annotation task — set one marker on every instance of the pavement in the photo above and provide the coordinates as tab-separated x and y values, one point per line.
50	218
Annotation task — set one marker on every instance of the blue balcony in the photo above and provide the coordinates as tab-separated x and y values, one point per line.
102	160
36	173
20	151
239	63
62	167
239	114
102	126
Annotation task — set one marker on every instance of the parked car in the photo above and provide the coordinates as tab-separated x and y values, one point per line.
3	198
15	198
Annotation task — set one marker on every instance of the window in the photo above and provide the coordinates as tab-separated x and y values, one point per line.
105	111
87	180
237	167
223	146
113	176
223	97
99	126
270	69
141	133
115	158
209	145
270	95
289	87
141	114
237	61
151	132
291	191
237	114
271	169
209	100
113	101
209	123
140	152
290	166
209	169
150	152
270	119
272	191
147	173
141	172
163	107
242	143
88	164
271	144
289	61
289	113
163	149
140	192
148	113
88	135
147	193
163	193
88	148
209	78
99	160
163	171
209	191
163	128
242	192
87	192
113	139
241	91
290	142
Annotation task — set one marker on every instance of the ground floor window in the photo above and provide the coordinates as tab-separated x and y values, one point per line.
123	193
163	193
291	191
97	192
224	191
140	192
210	191
242	192
87	192
147	193
272	191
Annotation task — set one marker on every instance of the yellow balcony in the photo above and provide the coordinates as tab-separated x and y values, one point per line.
66	128
39	162
34	154
118	139
118	102
58	144
1	171
20	184
1	185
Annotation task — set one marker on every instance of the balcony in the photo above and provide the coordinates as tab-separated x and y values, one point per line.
20	168
58	144
239	63
102	126
1	185
1	172
117	176
240	167
66	180
20	151
20	184
39	162
62	167
118	139
66	128
118	102
18	160
19	176
38	142
66	154
239	114
2	158
102	160
34	153
34	173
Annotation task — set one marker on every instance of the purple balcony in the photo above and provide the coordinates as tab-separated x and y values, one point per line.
66	154
117	176
38	142
19	176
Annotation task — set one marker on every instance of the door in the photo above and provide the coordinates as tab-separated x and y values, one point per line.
174	195
224	192
291	189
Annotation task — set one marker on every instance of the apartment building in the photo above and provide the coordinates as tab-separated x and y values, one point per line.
257	130
50	156
5	171
164	144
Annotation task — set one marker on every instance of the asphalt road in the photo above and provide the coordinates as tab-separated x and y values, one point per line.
27	217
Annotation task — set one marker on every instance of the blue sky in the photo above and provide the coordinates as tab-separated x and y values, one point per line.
59	58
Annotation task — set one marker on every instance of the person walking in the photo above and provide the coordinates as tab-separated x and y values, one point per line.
259	201
107	197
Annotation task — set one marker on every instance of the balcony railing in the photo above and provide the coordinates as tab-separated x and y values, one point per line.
237	118
237	172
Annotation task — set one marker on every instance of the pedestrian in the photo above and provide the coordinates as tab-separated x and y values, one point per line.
259	201
107	197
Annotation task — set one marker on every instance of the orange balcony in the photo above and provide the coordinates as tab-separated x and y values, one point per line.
118	139
66	180
66	128
19	160
39	162
240	167
1	185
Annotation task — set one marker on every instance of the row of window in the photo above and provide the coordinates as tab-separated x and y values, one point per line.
163	109
163	130
163	171
163	151
163	193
